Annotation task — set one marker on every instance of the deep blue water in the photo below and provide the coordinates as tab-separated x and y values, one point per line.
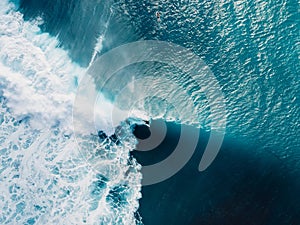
242	186
252	47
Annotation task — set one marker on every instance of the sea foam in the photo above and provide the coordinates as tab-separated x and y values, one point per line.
44	176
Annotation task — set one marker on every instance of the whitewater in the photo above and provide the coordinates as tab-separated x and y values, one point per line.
44	179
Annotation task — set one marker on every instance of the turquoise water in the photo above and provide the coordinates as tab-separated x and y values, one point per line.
252	48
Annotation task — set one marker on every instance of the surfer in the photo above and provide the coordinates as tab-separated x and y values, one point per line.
158	15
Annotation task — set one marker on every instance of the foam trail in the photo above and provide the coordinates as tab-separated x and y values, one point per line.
100	39
43	177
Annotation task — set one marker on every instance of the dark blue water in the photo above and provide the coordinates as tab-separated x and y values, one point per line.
252	48
242	186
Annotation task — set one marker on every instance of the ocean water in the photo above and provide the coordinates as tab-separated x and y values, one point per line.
251	47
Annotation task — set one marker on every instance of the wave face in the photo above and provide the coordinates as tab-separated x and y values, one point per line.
44	179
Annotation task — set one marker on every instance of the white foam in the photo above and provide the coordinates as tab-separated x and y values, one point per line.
43	177
38	76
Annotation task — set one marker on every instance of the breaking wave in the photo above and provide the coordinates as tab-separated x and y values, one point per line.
44	179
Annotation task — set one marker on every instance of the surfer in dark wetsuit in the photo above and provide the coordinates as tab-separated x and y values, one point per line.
158	15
